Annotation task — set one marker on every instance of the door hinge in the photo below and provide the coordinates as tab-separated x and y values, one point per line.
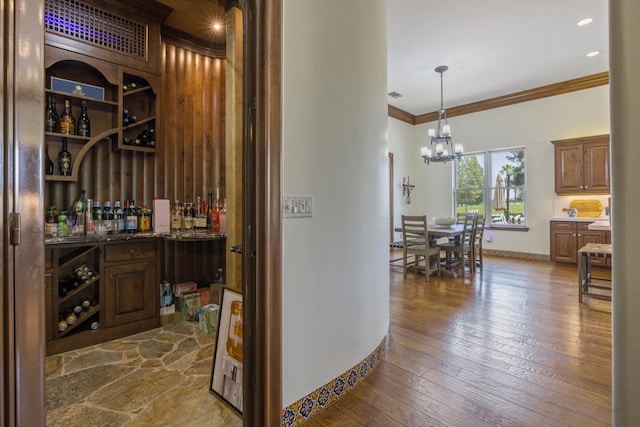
14	228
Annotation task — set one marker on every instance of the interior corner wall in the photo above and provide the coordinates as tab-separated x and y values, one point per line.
335	284
532	124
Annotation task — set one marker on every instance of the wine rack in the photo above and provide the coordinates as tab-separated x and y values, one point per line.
71	260
105	114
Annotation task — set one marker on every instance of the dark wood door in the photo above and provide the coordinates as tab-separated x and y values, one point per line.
596	167
131	293
569	170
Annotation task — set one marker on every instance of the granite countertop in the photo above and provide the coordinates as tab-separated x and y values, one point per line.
600	225
183	235
579	219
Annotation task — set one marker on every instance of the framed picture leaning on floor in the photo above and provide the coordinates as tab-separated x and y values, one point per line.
226	376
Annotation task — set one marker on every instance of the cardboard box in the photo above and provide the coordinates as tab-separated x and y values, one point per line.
205	296
167	310
161	217
181	288
208	319
190	305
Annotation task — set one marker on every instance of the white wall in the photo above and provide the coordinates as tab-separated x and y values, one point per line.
335	290
532	124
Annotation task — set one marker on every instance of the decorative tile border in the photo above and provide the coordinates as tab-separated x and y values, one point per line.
520	255
319	399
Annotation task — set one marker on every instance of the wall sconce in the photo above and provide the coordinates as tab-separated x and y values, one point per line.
407	188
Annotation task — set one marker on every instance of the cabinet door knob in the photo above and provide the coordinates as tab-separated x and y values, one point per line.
586	186
574	234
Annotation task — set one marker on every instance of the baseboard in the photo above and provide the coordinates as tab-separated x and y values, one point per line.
323	397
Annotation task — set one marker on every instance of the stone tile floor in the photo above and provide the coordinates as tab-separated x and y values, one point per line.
156	378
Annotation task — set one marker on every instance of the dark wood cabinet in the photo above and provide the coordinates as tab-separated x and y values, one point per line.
123	290
131	283
582	165
569	236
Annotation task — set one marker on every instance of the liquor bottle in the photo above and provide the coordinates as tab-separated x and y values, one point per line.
48	163
84	125
63	227
98	219
223	218
188	217
176	217
89	224
107	218
131	219
67	122
201	216
51	223
118	218
51	115
64	159
145	220
215	214
78	209
209	209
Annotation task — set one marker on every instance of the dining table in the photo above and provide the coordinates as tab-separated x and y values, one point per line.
438	231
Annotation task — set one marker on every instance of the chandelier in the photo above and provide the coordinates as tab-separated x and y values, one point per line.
442	148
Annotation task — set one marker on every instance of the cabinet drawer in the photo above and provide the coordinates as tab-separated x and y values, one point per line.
130	251
583	225
563	225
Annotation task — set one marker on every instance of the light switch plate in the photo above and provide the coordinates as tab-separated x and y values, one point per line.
297	206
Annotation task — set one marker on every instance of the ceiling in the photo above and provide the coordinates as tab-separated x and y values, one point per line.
492	47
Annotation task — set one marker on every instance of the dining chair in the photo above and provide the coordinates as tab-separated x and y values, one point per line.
416	243
477	241
460	251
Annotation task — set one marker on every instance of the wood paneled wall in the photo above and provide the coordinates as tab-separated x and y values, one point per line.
190	137
192	112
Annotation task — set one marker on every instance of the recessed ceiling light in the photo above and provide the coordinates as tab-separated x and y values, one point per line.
585	21
593	53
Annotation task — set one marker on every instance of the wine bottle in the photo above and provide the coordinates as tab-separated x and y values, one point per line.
79	210
215	214
51	115
131	219
64	159
48	163
67	122
84	125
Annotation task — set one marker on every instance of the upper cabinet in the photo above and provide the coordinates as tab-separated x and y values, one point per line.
105	63
582	165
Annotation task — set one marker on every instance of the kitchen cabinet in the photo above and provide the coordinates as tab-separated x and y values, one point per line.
126	94
569	236
582	165
131	282
122	287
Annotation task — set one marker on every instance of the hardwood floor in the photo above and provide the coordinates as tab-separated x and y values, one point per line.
508	346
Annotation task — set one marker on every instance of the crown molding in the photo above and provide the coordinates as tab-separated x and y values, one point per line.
554	89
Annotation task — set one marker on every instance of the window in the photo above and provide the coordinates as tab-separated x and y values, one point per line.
493	182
